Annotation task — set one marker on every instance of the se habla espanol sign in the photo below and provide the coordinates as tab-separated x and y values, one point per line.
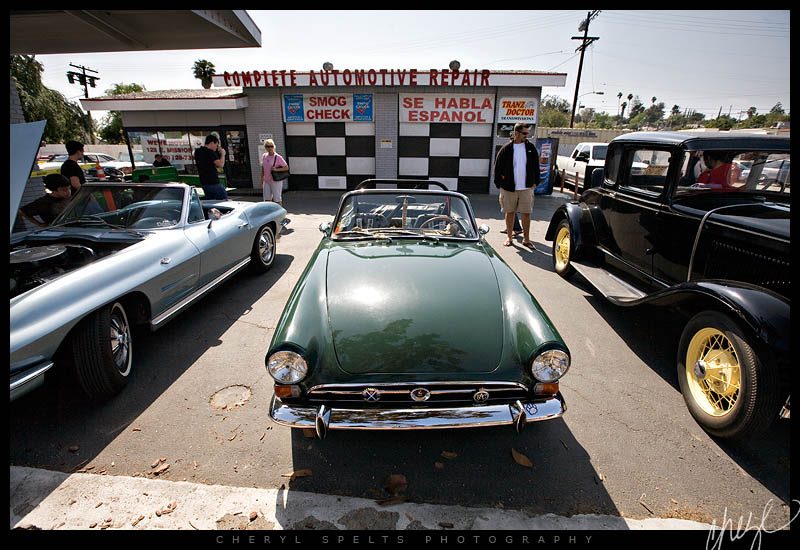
469	108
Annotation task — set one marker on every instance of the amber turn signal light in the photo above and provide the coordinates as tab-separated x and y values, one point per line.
283	390
550	388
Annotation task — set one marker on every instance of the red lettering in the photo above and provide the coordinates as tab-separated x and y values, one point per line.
312	79
465	103
412	77
401	76
434	77
383	76
227	77
413	116
236	80
274	77
487	103
246	79
445	74
372	77
484	77
283	77
257	78
292	77
325	77
360	77
336	76
440	103
465	80
418	103
407	102
347	77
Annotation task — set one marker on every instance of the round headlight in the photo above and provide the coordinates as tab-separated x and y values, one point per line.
550	365
287	367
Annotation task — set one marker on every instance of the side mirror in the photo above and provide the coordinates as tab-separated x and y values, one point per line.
325	227
483	229
597	177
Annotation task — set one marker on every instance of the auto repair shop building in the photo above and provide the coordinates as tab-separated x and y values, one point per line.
337	128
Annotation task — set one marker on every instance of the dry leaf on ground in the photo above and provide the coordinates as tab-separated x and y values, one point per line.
521	459
448	455
438	465
395	484
298	473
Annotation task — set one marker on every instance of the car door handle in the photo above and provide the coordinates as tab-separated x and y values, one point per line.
245	224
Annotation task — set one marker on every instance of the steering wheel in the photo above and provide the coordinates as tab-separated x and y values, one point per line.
150	222
442	217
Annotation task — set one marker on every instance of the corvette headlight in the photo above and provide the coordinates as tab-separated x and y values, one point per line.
550	365
287	367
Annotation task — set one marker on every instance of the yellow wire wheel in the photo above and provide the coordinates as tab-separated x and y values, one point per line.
562	249
728	389
713	371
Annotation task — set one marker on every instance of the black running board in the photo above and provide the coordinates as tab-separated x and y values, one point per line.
613	288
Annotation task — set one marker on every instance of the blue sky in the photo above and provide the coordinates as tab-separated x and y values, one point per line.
701	60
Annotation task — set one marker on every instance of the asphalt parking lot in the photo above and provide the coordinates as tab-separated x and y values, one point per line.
626	446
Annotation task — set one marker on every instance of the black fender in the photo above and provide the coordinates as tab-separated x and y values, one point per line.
761	313
580	222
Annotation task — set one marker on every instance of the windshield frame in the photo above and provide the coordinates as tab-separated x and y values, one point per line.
403	232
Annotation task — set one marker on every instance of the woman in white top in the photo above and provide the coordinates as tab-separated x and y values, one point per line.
272	161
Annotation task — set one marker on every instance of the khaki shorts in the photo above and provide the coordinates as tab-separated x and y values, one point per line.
516	201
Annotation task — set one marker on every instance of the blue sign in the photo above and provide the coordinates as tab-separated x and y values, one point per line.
293	108
362	107
545	148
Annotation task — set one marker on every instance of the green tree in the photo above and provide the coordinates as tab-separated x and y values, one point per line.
554	112
204	70
111	129
636	107
654	114
65	119
751	112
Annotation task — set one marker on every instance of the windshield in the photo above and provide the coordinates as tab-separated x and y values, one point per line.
404	214
755	172
137	157
124	207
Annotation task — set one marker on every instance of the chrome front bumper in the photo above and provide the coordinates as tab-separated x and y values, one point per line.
322	418
28	379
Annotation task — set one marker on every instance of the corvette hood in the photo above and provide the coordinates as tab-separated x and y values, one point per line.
411	307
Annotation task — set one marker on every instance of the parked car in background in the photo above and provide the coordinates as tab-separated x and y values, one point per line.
385	330
122	167
120	255
773	172
718	252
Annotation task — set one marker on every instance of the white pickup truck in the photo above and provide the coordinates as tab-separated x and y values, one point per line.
584	158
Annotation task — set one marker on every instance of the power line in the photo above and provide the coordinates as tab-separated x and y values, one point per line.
585	41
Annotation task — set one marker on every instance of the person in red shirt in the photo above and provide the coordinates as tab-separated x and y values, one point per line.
721	173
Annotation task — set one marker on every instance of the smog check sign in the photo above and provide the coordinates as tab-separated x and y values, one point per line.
327	108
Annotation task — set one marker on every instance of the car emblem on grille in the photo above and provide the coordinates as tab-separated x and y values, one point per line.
481	396
420	394
371	394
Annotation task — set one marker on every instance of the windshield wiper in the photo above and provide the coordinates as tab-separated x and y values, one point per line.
95	219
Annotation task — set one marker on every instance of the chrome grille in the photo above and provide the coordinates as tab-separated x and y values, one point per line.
441	393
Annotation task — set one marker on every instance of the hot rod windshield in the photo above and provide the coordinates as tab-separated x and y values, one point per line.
403	213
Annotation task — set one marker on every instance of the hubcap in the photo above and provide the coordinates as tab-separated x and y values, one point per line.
562	248
265	247
120	333
713	371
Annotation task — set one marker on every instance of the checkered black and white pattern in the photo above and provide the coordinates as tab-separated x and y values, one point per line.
330	155
455	154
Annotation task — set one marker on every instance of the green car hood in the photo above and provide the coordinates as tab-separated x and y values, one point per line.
411	307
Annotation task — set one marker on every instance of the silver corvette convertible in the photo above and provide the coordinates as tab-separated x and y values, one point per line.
118	255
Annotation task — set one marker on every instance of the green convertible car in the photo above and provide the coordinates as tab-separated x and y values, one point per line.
406	318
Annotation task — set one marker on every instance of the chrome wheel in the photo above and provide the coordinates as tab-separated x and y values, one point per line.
121	340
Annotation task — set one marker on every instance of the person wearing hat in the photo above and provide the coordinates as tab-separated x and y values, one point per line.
48	207
516	173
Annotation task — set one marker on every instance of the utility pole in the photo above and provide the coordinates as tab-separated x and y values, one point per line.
585	41
86	81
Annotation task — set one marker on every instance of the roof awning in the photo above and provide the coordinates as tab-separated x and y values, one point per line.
84	31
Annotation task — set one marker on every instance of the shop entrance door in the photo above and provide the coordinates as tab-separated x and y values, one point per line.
237	161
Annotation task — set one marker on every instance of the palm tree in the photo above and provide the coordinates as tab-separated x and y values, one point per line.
653	99
619	97
622	113
630	97
204	70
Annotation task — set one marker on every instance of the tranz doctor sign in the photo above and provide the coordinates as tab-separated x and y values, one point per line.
327	108
471	108
517	109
